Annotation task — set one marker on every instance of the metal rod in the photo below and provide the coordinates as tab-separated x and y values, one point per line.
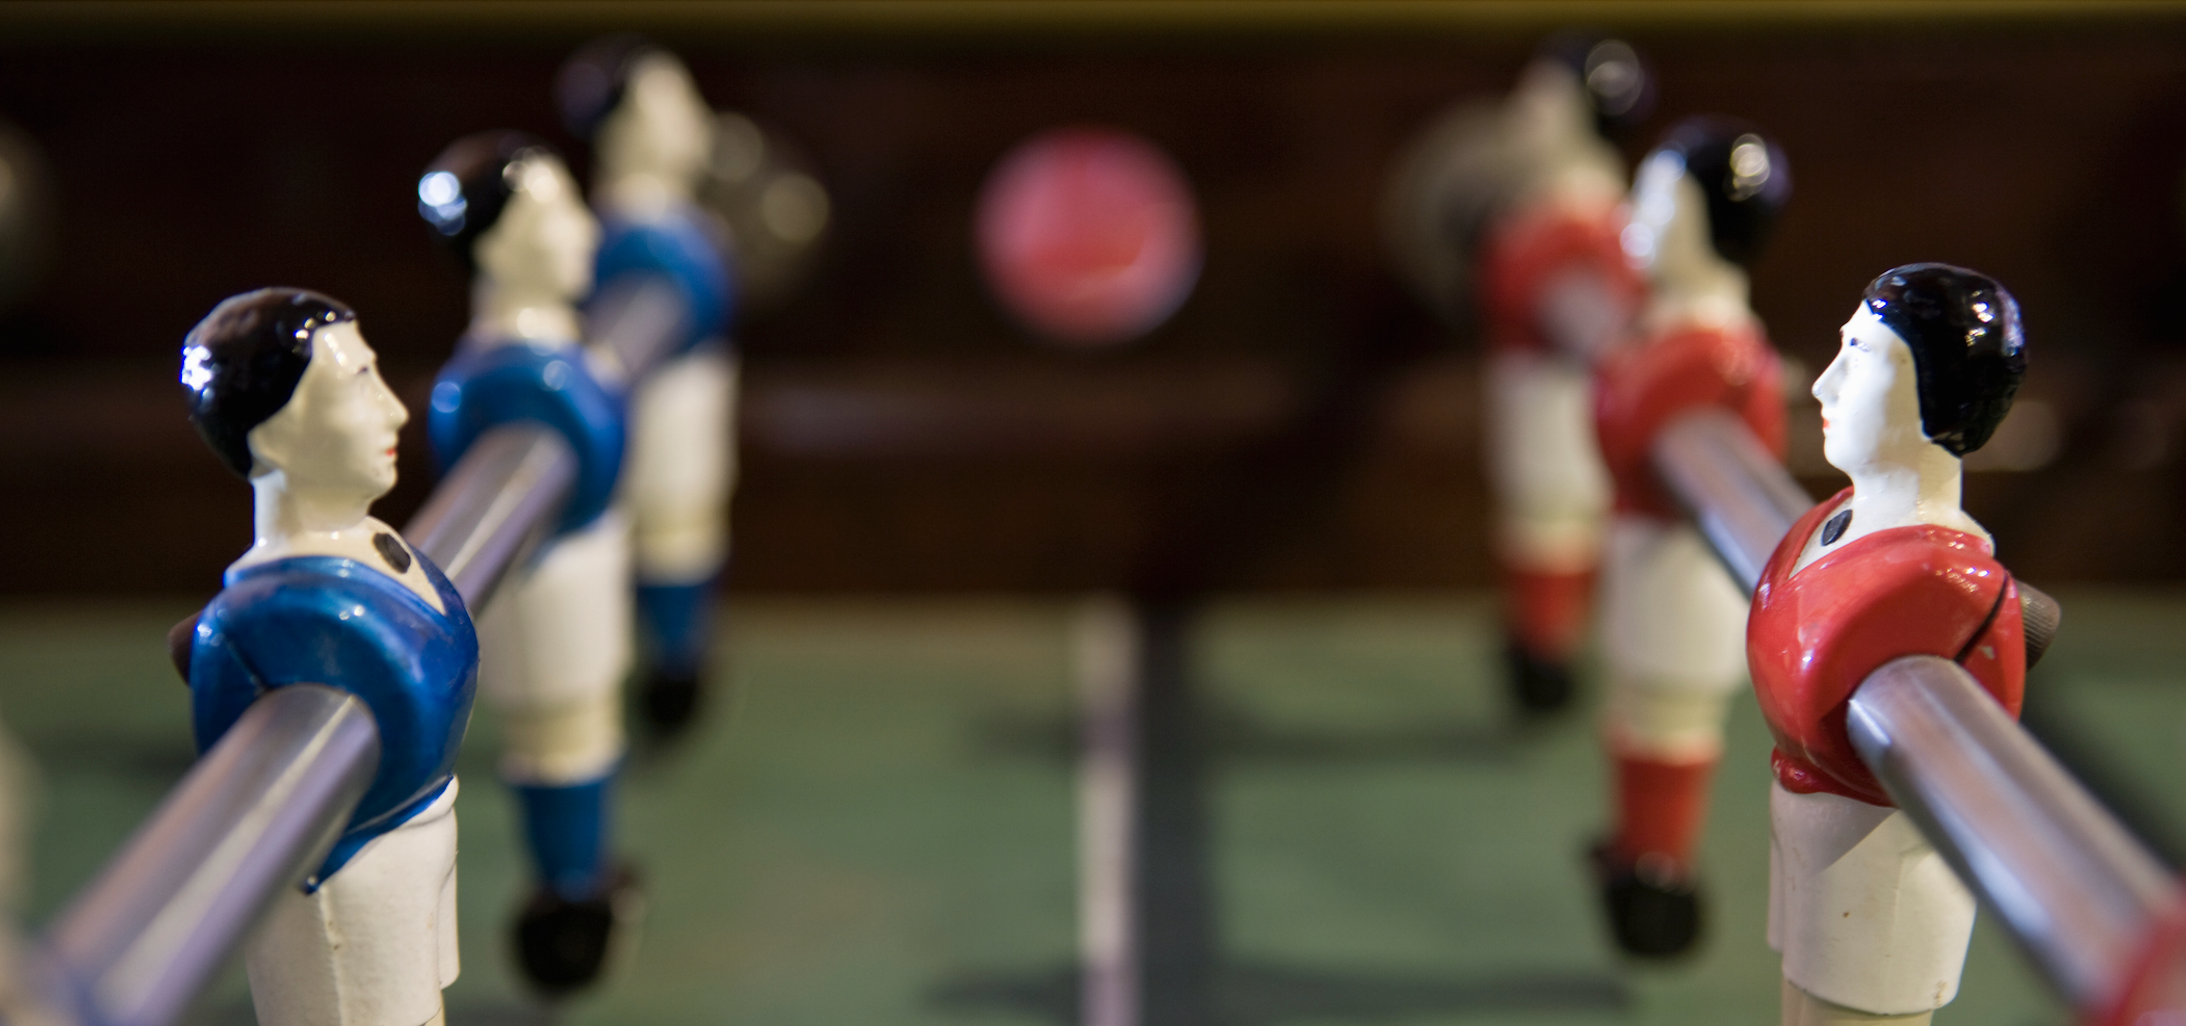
494	506
637	319
2076	890
255	814
1742	500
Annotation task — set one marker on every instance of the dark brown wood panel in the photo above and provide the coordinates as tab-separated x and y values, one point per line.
1301	423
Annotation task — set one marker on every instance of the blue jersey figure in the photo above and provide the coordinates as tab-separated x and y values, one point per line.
287	392
557	634
652	136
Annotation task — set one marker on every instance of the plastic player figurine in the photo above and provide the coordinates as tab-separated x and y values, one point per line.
284	388
1872	924
556	638
1555	290
652	134
1673	622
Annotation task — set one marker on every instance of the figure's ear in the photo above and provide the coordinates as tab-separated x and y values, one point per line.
619	135
273	441
493	252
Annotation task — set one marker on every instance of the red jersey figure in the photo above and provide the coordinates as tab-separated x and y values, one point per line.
1554	288
1871	922
1673	622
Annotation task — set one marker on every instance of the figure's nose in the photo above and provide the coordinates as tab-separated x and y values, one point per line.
1825	387
396	412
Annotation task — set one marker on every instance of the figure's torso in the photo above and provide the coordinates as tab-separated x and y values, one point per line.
1640	387
343	623
1553	238
1817	631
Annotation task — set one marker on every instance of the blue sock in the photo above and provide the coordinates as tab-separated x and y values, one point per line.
566	828
675	619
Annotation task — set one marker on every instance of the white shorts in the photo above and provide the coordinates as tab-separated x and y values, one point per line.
557	633
1866	914
1673	639
682	466
1551	490
553	649
375	945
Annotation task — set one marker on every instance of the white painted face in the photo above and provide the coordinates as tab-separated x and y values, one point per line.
336	437
1668	229
663	127
546	238
1870	398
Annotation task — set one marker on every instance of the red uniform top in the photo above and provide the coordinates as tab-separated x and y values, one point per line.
1641	387
1814	636
1528	248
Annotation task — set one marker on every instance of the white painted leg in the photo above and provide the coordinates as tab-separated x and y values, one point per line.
1804	1009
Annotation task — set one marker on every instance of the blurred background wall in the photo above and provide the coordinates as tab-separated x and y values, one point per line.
1302	411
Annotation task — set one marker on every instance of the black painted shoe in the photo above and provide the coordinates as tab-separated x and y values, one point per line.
669	701
564	946
1654	912
1539	685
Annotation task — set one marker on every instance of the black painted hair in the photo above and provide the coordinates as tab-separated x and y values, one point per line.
241	363
591	82
1969	350
1745	176
461	194
1620	85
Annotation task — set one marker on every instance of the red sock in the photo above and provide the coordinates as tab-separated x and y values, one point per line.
1661	807
1546	610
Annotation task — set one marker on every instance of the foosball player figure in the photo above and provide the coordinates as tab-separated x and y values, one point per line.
652	135
284	388
1871	922
556	638
1673	622
1555	289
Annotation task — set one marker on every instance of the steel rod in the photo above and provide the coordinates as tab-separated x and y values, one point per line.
494	506
1742	500
637	319
2071	884
255	814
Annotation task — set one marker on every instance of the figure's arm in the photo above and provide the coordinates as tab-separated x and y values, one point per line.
181	638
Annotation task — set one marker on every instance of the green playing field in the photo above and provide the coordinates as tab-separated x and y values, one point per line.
879	826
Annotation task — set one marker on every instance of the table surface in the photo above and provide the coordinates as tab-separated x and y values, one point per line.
878	827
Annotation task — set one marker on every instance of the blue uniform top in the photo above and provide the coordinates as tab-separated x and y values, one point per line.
681	247
335	621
